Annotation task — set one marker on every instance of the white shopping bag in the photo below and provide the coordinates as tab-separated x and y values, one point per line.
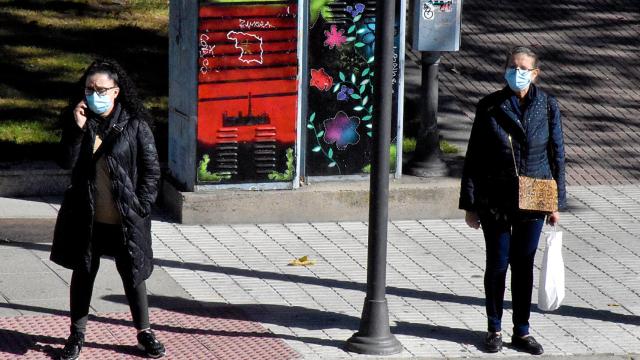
551	287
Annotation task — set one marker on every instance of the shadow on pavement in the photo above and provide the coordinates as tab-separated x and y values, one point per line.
26	230
295	317
444	333
565	310
289	316
18	343
589	63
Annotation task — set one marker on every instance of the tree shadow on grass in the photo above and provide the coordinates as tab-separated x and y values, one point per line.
142	52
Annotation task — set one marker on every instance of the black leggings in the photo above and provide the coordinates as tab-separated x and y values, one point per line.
107	240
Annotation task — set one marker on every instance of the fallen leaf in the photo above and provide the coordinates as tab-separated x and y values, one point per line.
303	261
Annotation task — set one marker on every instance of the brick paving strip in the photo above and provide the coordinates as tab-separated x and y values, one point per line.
215	333
435	279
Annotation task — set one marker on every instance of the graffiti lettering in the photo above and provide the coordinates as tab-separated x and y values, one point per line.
255	24
205	49
396	66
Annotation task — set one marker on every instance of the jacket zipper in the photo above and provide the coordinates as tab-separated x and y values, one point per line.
93	207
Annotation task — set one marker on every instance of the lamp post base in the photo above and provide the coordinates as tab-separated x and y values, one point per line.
430	168
374	337
374	346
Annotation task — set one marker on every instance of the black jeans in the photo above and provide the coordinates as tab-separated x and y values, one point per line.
512	241
107	240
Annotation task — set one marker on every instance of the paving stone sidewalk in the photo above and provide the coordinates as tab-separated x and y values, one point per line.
223	276
435	279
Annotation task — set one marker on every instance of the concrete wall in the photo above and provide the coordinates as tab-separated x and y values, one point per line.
33	179
410	198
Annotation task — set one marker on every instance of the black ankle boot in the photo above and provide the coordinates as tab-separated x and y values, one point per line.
151	346
72	347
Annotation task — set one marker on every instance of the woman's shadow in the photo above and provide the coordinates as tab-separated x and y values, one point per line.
464	337
18	343
297	317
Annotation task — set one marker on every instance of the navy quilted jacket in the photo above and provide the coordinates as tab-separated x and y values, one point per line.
132	161
489	177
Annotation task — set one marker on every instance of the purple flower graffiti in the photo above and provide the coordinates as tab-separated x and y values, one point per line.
342	130
359	9
344	93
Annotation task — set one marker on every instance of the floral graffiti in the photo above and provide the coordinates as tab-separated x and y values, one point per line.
344	93
342	130
335	37
318	7
321	80
358	88
318	147
340	144
355	10
367	37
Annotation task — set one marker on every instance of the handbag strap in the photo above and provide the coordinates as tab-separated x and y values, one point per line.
550	152
111	136
515	165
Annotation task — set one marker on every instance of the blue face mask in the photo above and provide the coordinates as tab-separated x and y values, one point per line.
517	79
99	104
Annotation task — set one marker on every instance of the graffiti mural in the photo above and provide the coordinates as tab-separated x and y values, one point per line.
341	68
247	91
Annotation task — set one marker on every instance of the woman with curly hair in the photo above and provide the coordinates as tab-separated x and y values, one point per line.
108	144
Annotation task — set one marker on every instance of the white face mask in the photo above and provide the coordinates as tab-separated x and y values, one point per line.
517	79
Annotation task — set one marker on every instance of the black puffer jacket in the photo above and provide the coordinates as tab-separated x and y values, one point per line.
132	161
489	178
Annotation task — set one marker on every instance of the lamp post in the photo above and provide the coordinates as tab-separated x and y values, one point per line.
374	336
426	161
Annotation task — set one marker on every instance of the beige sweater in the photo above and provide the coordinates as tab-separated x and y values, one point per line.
106	210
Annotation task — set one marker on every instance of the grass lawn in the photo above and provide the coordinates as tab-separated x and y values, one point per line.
46	44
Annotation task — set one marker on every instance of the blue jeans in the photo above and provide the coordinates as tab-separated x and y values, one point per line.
512	241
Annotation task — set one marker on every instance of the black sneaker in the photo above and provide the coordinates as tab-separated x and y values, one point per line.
148	343
72	347
527	344
493	342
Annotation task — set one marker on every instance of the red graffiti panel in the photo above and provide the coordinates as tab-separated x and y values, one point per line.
247	92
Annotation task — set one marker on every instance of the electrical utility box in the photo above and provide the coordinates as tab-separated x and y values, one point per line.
436	25
233	93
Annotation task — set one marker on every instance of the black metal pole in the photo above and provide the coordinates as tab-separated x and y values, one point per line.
374	336
426	160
